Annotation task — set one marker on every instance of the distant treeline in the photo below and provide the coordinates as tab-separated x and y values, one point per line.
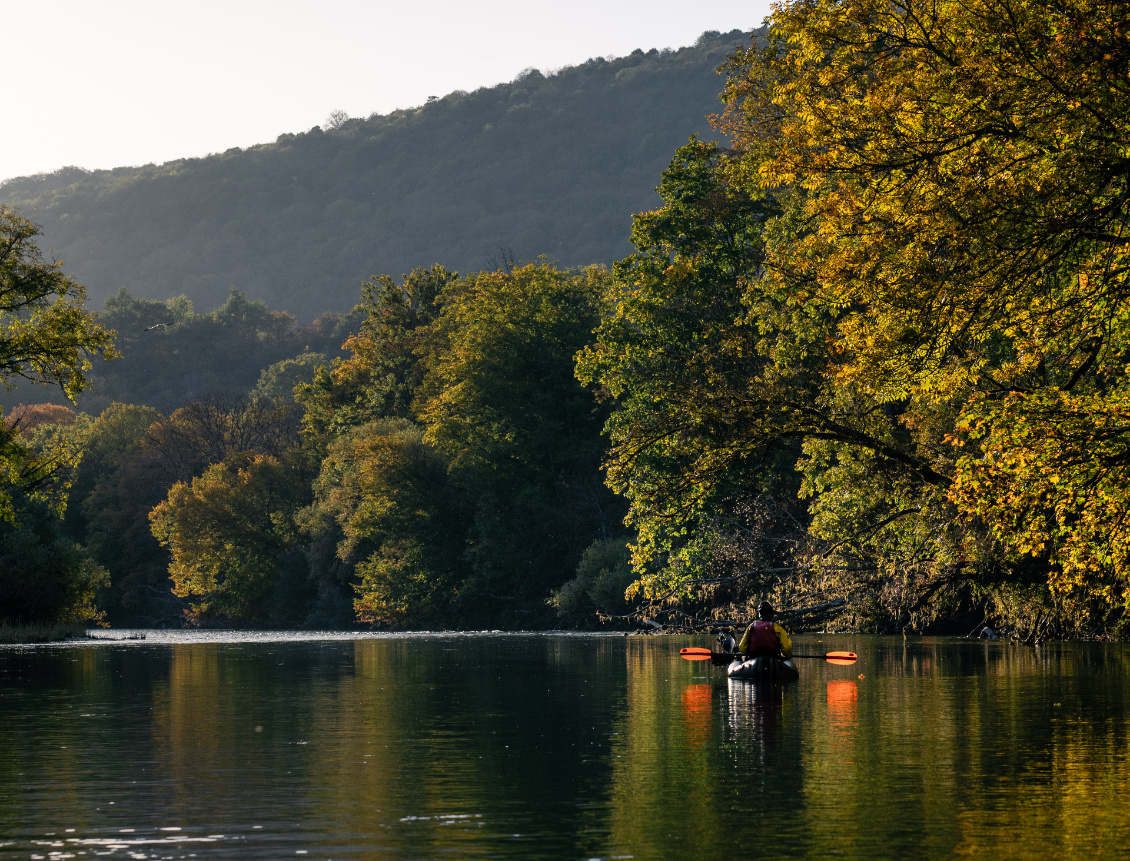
550	165
171	356
446	471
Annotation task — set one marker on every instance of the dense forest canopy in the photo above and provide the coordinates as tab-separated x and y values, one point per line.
548	164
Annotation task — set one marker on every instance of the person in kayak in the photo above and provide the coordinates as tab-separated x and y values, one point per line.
766	637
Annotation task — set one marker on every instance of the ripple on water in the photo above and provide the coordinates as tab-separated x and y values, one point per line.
159	844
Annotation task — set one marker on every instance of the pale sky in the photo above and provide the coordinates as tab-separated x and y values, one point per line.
109	83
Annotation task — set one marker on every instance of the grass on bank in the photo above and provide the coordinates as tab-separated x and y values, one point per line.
42	633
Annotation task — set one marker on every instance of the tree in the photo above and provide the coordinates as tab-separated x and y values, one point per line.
228	532
935	313
278	381
603	576
208	430
715	382
461	478
26	420
44	577
115	486
171	355
335	120
961	166
385	500
380	378
500	400
45	337
235	476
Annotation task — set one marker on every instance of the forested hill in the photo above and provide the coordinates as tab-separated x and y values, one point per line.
546	164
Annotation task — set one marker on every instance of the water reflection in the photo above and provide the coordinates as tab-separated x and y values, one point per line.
757	710
697	705
843	705
558	747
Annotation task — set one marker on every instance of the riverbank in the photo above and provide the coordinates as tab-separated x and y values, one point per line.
45	633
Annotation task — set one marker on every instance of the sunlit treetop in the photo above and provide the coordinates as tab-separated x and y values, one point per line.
46	335
963	167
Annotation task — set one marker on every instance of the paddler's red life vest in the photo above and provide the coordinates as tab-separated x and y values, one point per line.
762	640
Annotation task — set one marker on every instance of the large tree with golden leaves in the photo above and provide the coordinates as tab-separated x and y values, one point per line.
952	184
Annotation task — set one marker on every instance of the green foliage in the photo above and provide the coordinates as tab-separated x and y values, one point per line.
699	396
227	532
44	577
545	164
572	598
872	356
603	576
232	468
45	335
475	509
45	338
278	381
196	355
971	202
500	395
387	494
114	488
500	400
171	356
132	457
387	362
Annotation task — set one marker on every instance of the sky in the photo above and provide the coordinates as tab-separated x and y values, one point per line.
127	82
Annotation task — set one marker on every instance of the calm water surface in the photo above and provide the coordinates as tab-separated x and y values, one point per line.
554	746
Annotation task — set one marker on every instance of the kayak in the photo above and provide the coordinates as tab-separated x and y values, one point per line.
764	669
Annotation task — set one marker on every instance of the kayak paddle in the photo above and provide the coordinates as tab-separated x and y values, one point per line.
698	653
842	658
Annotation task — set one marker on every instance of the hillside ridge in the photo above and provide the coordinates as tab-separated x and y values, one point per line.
549	165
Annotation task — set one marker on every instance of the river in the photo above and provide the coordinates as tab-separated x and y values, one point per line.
527	746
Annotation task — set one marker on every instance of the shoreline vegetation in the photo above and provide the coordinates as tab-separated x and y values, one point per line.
51	632
869	361
15	634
